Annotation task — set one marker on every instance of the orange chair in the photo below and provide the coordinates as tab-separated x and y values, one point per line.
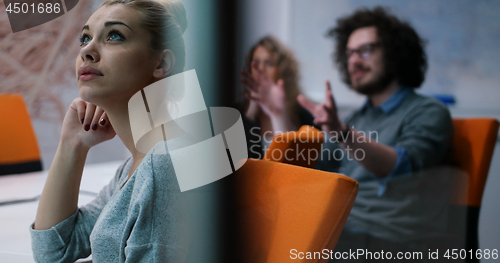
19	151
302	148
474	143
284	207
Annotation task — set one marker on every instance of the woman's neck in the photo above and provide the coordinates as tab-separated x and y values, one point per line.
119	118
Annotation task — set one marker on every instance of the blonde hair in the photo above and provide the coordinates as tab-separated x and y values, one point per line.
287	70
166	21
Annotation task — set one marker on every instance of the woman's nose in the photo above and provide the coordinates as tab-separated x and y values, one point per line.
260	66
90	53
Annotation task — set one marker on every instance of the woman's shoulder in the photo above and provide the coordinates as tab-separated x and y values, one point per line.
157	170
156	202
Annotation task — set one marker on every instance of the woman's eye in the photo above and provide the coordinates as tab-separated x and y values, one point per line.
268	63
84	40
114	36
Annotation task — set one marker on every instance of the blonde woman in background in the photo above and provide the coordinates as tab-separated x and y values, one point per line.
271	81
126	45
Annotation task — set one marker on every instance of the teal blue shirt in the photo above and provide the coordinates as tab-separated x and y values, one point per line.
420	129
139	220
403	162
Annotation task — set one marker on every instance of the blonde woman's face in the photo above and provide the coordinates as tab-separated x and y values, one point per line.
115	60
265	62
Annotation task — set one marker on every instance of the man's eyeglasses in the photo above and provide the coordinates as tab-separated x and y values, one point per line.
364	51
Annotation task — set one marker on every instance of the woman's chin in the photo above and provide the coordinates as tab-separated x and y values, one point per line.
100	98
88	94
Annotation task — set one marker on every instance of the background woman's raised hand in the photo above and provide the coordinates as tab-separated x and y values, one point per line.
269	96
86	124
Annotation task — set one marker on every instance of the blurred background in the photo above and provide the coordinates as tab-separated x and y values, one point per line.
462	50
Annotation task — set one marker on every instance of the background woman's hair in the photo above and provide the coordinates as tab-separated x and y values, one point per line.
404	53
166	21
287	70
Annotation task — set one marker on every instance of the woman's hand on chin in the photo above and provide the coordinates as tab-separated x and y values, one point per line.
86	125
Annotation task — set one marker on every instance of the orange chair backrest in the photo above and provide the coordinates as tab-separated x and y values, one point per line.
18	142
302	147
290	207
474	143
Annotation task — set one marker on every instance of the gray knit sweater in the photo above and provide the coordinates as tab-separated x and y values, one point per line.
139	220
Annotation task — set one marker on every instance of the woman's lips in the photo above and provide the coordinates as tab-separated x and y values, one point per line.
86	73
85	77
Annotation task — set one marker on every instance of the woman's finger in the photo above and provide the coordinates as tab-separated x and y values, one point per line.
246	74
249	85
253	94
89	115
80	109
249	90
252	97
104	119
97	115
249	77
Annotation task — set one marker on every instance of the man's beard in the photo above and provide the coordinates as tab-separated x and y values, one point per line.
375	86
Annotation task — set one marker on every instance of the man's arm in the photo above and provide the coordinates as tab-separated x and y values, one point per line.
378	158
425	137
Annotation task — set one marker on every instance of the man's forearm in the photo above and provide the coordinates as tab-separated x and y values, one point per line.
378	158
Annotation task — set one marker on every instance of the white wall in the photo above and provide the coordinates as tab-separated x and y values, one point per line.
262	17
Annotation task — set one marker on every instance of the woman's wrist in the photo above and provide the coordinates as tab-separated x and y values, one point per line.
74	145
251	115
252	111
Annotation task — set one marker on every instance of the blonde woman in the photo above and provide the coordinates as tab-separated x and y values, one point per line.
271	81
126	45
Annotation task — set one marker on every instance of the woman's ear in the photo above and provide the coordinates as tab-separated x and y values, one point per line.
166	64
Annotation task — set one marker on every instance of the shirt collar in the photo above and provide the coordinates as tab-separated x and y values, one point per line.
392	102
